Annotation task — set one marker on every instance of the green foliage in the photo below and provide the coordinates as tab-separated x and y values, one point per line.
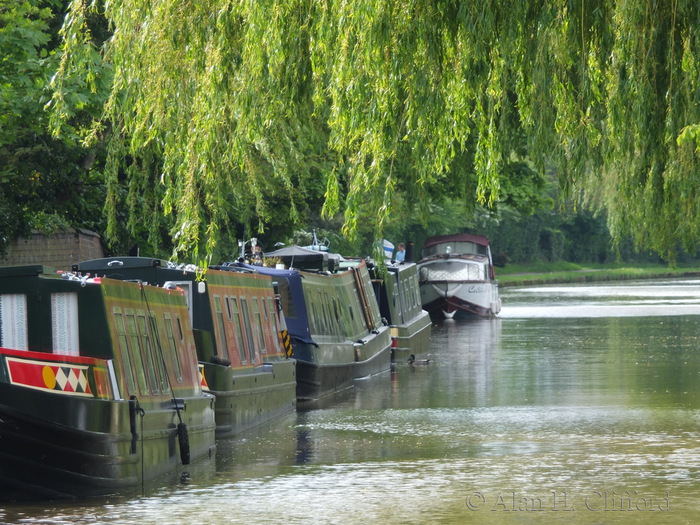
24	35
23	39
44	181
238	113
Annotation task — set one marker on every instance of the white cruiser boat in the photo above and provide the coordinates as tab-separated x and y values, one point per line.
456	275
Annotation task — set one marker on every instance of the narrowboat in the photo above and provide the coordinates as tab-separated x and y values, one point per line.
100	390
239	333
398	294
456	275
335	327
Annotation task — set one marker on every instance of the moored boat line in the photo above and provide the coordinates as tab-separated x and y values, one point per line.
127	368
335	327
237	326
99	385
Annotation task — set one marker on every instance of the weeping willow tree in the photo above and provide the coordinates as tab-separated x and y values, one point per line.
222	104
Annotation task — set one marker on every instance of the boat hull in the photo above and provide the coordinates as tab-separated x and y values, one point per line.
323	368
56	446
333	366
411	338
244	401
315	380
468	298
373	354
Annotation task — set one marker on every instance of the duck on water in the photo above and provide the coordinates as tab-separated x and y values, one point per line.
413	361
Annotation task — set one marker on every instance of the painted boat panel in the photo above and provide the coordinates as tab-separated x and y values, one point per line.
71	423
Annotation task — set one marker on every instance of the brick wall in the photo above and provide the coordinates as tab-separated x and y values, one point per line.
59	250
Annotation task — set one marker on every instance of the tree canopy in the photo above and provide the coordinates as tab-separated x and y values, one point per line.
220	110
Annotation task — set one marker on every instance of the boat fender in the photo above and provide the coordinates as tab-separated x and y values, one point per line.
184	441
220	360
134	409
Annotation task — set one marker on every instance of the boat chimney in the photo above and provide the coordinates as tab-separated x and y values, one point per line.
409	251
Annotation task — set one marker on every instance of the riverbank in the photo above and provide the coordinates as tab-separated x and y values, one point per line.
564	272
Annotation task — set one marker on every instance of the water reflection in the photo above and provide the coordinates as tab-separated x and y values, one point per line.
530	418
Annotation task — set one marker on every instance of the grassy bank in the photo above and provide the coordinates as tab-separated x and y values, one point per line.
565	272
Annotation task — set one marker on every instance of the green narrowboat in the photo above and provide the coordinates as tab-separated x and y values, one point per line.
100	390
239	333
334	324
398	293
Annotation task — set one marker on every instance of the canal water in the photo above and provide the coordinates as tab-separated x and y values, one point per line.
578	405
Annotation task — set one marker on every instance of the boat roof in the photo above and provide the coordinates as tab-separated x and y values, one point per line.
25	270
304	253
457	237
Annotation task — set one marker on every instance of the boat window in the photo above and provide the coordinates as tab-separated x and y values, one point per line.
358	320
222	344
172	345
260	332
314	323
318	311
336	317
137	353
147	345
64	323
159	355
248	331
344	312
311	311
180	332
228	308
322	315
13	321
127	367
416	291
238	332
469	272
264	308
275	327
332	313
461	247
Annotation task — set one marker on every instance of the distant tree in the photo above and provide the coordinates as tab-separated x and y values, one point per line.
46	182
